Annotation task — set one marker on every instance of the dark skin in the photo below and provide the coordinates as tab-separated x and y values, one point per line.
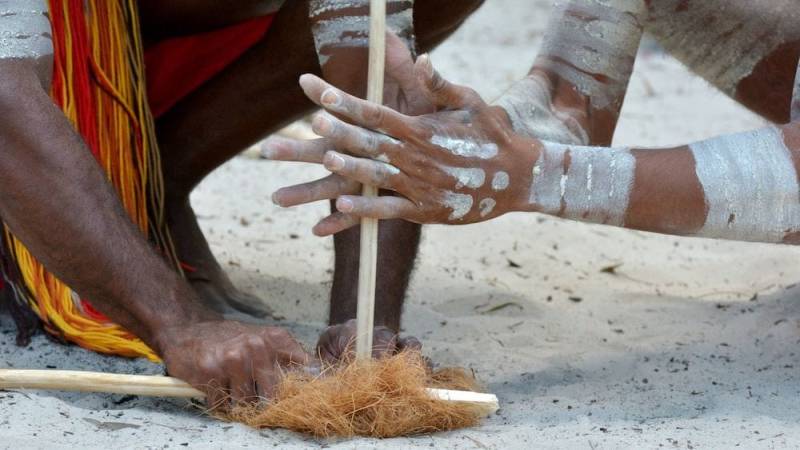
666	196
766	90
76	226
216	122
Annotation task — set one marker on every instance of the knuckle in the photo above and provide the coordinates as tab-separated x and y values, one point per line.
277	333
380	174
374	116
371	143
437	82
207	364
233	355
254	342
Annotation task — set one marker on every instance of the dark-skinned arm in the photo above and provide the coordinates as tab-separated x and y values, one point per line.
55	198
741	186
570	96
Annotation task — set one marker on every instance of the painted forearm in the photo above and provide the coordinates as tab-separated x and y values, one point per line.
341	36
577	85
25	35
742	186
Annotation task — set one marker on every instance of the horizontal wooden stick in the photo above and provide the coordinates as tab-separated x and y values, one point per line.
161	386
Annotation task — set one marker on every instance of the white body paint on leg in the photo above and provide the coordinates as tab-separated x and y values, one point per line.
594	187
750	186
25	31
595	46
467	177
460	204
353	30
318	7
529	106
741	34
466	147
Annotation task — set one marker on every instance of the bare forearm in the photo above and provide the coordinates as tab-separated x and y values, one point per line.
576	87
742	186
56	199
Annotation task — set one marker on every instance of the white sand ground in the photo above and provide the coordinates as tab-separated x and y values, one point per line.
689	344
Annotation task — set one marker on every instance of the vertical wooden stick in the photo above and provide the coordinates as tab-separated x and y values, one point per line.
368	262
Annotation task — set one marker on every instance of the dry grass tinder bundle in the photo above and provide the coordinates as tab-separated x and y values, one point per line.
377	397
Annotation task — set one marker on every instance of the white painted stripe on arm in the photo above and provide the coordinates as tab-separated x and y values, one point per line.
594	188
750	186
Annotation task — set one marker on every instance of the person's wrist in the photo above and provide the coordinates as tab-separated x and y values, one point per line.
520	186
184	311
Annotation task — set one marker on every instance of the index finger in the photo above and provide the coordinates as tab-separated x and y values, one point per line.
354	109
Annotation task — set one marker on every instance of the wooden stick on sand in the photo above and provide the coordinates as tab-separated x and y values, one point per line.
161	386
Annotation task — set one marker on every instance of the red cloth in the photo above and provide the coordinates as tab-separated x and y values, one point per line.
176	67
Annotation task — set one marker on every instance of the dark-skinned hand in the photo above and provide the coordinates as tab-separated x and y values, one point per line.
231	362
402	92
462	164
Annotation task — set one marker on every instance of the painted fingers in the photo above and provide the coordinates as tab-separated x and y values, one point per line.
310	151
354	109
356	140
278	148
366	171
330	187
327	188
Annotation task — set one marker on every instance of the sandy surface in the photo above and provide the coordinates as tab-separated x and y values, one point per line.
686	343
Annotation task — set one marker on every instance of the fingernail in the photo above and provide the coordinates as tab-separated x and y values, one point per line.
321	124
331	98
267	152
334	161
276	198
344	204
305	78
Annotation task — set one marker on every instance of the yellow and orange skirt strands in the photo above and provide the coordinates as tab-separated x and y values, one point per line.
99	83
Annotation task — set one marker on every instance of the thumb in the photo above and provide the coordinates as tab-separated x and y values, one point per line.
443	93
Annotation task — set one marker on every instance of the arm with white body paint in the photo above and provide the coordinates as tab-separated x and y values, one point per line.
340	29
574	92
742	186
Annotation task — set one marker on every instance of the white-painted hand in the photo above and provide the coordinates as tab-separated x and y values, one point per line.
401	92
460	165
